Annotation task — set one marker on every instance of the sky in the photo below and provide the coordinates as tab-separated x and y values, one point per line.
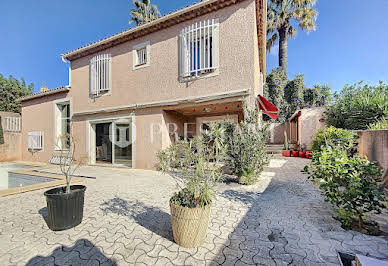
349	45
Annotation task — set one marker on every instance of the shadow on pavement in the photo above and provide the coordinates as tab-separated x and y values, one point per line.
81	253
151	218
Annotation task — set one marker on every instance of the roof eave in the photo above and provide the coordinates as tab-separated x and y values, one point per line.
43	94
175	15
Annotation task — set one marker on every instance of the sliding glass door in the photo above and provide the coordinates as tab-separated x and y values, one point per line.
122	144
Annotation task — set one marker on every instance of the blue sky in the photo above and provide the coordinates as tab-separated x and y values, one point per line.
350	44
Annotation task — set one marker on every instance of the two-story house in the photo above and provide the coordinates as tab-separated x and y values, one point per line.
131	94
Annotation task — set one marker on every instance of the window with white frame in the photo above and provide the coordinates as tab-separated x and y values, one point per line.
199	48
63	120
141	55
35	140
100	74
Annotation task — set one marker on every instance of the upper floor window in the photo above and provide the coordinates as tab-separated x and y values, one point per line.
199	49
141	55
100	74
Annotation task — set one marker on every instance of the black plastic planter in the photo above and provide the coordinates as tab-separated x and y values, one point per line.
65	210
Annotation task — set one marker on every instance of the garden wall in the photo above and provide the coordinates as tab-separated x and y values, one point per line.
374	144
11	149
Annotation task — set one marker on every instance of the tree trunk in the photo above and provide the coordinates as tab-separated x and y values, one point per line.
384	181
283	37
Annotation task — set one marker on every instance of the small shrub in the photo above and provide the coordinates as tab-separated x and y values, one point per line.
380	124
189	163
336	138
348	182
357	106
246	147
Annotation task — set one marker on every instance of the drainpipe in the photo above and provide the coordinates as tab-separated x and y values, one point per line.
69	64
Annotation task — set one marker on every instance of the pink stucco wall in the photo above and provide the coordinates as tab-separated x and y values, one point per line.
238	69
238	66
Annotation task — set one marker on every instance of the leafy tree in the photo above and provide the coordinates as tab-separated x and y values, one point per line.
348	182
358	105
144	12
318	95
1	133
281	14
10	90
291	95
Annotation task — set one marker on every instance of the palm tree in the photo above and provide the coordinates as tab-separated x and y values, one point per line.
144	12
279	17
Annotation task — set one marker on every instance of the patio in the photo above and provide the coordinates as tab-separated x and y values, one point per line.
282	220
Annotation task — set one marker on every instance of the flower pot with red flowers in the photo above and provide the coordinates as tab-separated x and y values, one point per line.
286	150
295	153
196	169
309	154
302	152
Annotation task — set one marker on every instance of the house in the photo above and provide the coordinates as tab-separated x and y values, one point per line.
133	93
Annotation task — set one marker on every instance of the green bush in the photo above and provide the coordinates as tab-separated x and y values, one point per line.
348	182
246	153
336	138
380	124
189	163
1	133
357	106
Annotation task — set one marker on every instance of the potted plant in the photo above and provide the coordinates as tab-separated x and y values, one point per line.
197	172
309	154
302	152
295	151
286	151
65	204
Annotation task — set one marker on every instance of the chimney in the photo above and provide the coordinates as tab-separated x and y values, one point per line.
43	89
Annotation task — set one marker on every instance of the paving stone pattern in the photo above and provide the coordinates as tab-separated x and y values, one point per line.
280	221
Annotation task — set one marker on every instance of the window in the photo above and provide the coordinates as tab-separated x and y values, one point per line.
35	141
62	124
199	49
100	75
141	55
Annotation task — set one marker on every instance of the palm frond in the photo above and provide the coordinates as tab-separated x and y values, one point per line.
144	12
271	41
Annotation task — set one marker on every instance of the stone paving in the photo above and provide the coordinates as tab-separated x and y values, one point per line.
280	221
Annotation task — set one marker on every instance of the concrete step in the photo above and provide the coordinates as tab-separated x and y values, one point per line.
274	148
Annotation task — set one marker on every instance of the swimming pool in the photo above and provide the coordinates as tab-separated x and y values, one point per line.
13	180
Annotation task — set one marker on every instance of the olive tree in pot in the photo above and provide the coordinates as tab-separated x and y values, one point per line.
195	166
65	204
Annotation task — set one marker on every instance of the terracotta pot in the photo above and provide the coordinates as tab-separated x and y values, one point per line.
309	154
302	154
286	153
295	153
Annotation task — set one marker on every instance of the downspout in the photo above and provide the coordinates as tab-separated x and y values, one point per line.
69	64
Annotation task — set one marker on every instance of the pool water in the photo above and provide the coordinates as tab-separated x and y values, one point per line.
12	180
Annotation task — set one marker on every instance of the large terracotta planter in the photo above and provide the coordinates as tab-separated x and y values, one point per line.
286	153
295	153
302	154
189	225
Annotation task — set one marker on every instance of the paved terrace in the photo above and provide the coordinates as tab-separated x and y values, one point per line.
282	220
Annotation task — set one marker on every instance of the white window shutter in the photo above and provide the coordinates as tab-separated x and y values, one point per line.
100	74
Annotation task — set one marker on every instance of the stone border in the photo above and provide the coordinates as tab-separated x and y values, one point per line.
58	179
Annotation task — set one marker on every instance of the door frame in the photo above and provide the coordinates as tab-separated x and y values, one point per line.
91	137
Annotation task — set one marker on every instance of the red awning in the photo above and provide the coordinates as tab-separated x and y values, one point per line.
267	107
